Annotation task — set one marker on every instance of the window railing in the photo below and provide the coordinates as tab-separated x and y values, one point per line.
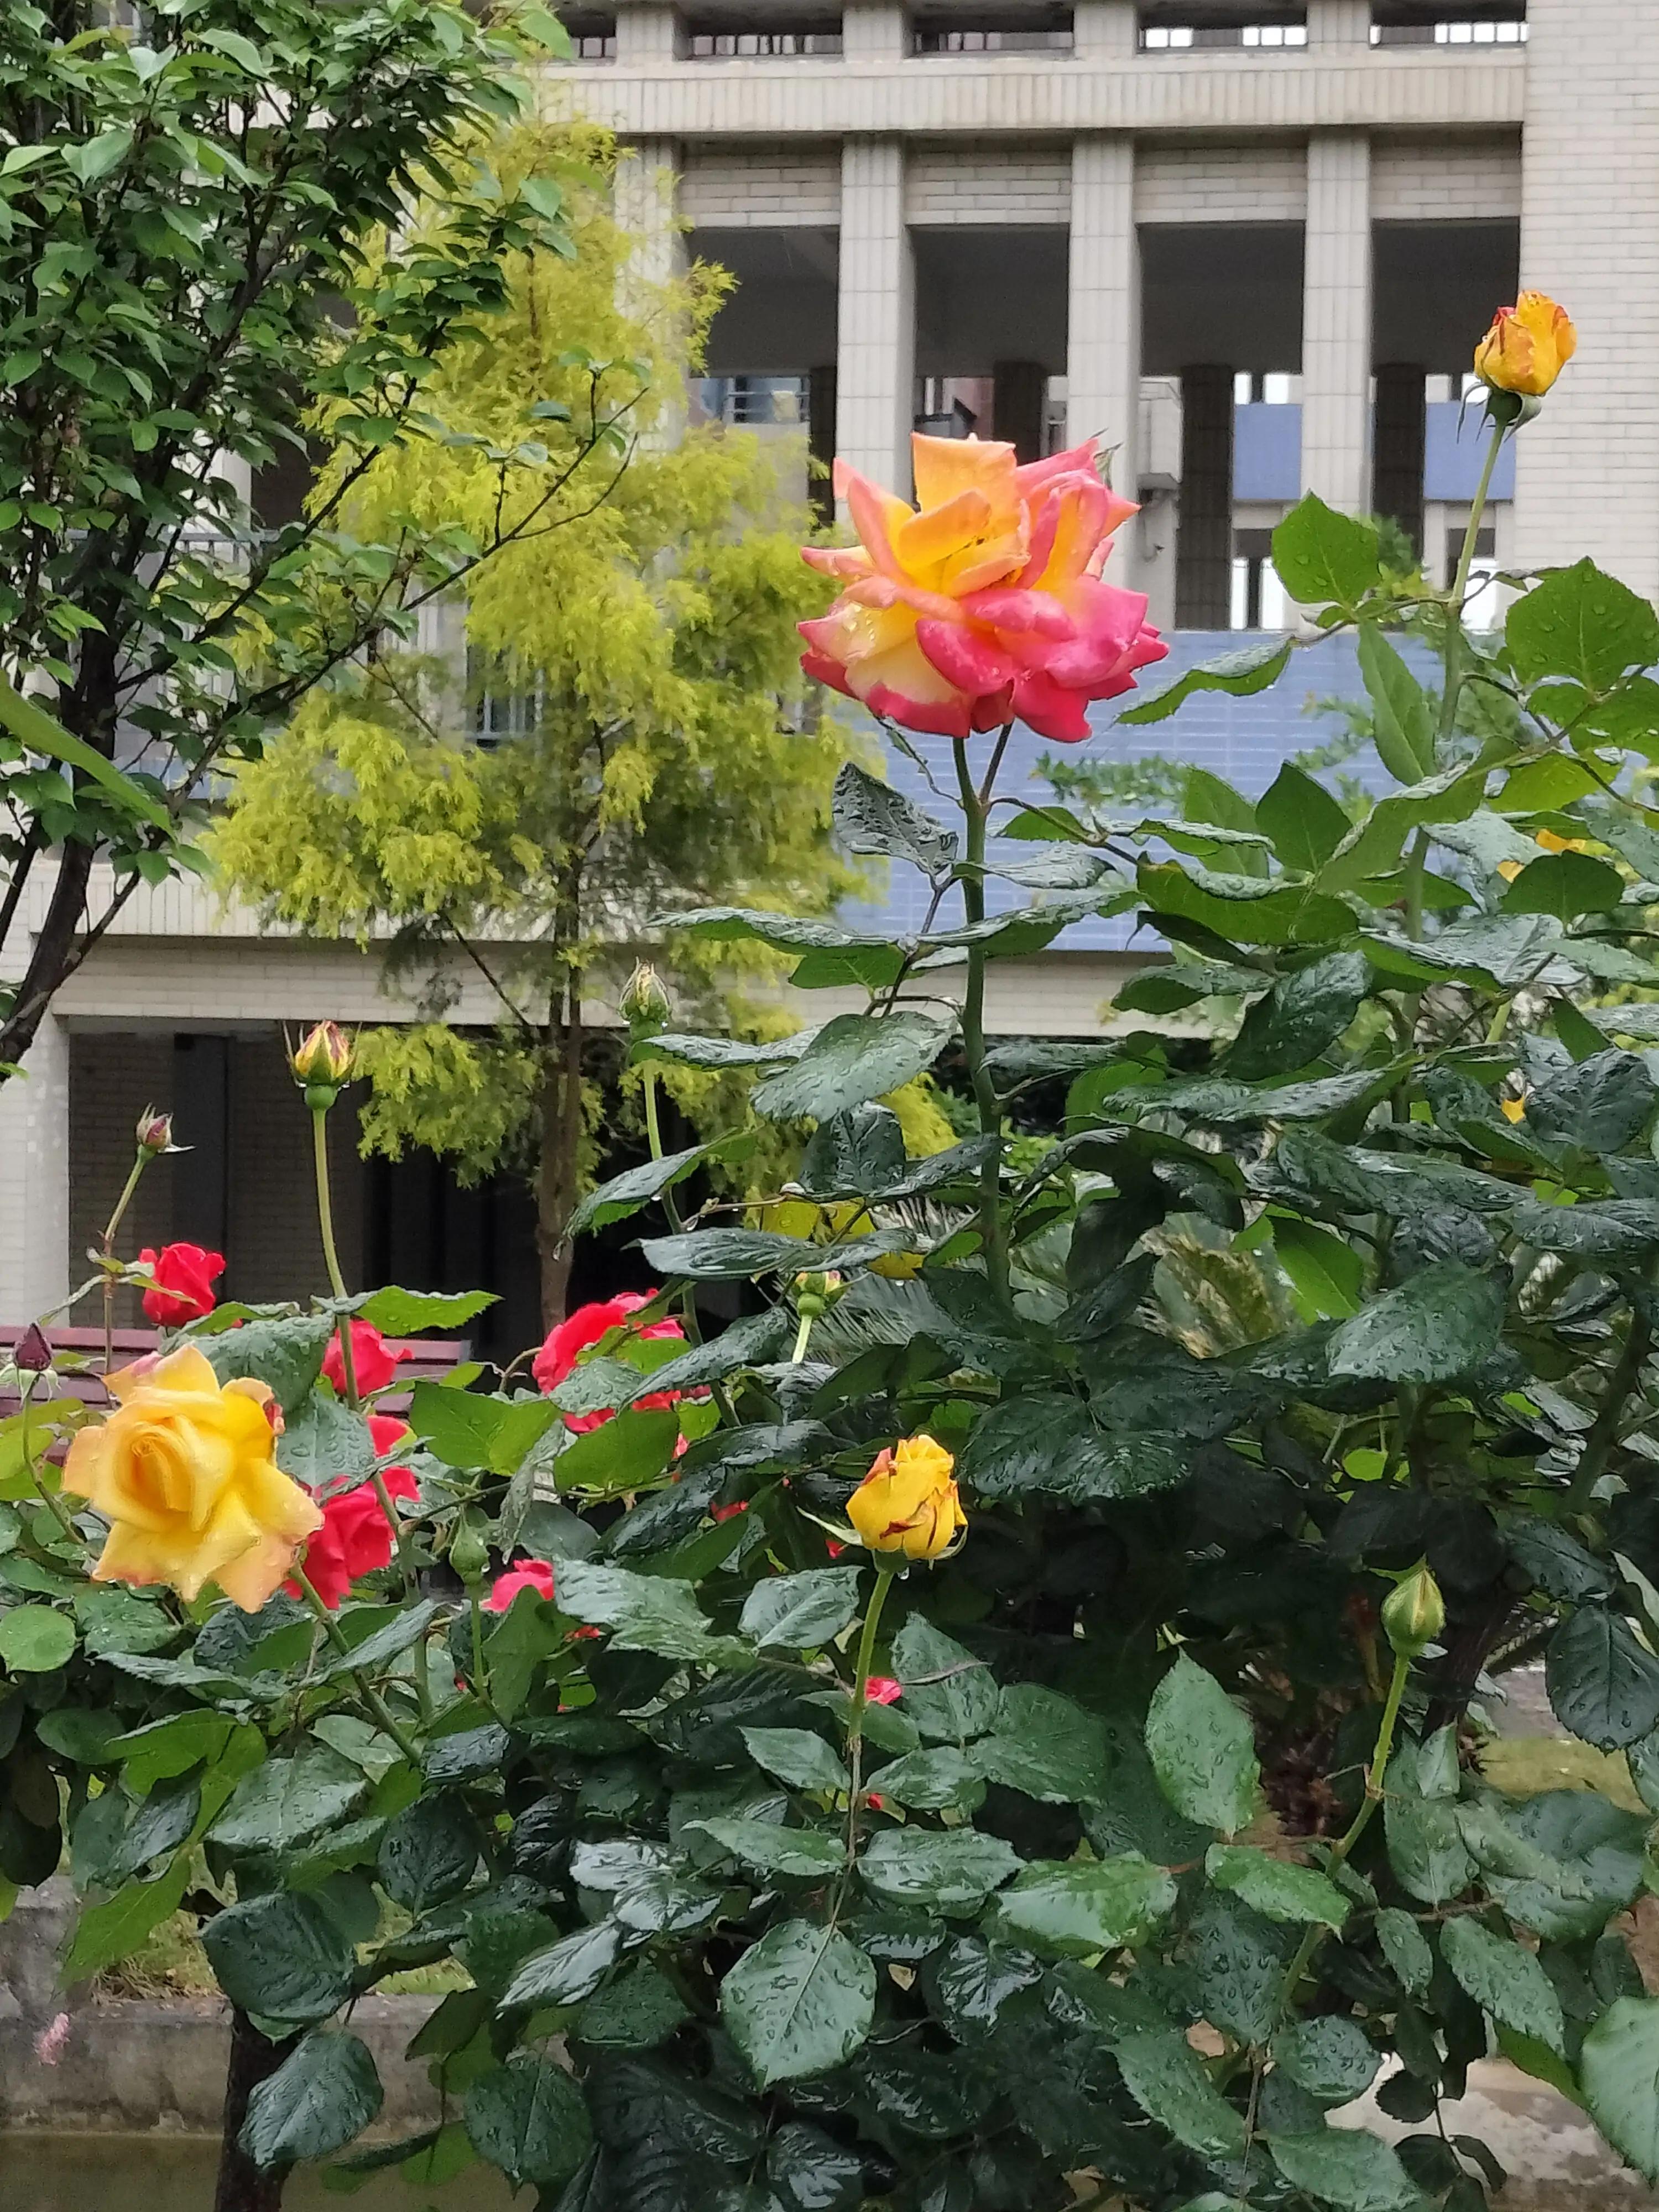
593	35
1449	34
760	45
1173	38
749	402
938	40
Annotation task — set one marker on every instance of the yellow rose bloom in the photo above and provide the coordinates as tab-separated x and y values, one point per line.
1513	1109
907	1502
1528	346
184	1471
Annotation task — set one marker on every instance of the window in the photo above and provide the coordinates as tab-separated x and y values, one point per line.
1259	599
1466	23
593	36
751	399
1183	26
1483	603
704	44
502	705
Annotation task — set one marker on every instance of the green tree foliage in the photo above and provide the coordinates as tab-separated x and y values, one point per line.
833	1883
664	755
194	259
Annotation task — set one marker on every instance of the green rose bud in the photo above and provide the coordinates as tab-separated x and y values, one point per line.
1414	1612
645	1005
469	1554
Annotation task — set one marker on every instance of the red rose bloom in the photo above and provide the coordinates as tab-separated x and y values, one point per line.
374	1359
183	1277
882	1690
355	1538
580	1332
526	1575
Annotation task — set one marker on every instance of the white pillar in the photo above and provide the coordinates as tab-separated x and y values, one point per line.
874	31
1104	30
876	349
1340	22
647	31
1103	356
645	204
1587	471
1336	320
35	1108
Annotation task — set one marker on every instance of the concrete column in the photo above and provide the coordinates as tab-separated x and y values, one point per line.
1397	446
1102	361
1339	23
1204	541
1587	471
874	31
34	1114
875	367
1336	320
645	204
1104	30
647	31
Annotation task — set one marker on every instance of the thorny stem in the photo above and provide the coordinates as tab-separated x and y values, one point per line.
370	1696
975	806
46	1497
802	1335
1376	1773
884	1578
331	1252
106	1245
670	1205
1455	656
1604	1432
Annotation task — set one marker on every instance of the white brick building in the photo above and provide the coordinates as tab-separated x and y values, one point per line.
1251	242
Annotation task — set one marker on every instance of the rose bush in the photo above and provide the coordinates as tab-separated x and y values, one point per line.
801	1846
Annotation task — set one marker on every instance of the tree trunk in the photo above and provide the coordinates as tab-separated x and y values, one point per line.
241	2187
560	1138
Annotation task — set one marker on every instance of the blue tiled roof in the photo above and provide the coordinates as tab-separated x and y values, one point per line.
1243	740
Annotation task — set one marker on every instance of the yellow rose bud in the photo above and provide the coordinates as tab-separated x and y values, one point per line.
1414	1614
645	1005
816	1294
185	1473
323	1057
1513	1109
907	1502
1527	348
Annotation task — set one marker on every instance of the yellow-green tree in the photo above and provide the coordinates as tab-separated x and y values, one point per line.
662	752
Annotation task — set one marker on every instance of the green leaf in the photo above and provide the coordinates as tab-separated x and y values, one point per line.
287	1354
1333	2059
1305	823
801	2000
1403	725
949	1694
105	1934
1168	2080
967	1983
324	2092
428	1853
281	1957
37	730
950	1870
1277	1888
734	1256
468	1430
1327	1273
929	1781
35	1640
797	1756
799	1612
625	1194
644	1612
397	1312
529	2119
326	1446
746	1343
402	1627
1374	846
1565	883
1619	2072
1044	1745
1603	1683
284	1803
1425	1847
853	1058
566	1972
1323	557
871	817
637	2011
1299	1019
1072	1908
1039	1440
1243	909
1202	1749
1406	1947
1581	623
1600	1103
1615	1229
1241	675
1597	1843
804	1854
626	1453
1442	1322
1348	2168
1504	1980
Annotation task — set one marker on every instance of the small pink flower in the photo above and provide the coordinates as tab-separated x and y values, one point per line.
883	1690
50	2043
525	1574
727	1512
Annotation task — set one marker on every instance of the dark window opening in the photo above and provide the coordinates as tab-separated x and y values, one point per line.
1189	26
1005	30
712	41
593	35
1448	22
